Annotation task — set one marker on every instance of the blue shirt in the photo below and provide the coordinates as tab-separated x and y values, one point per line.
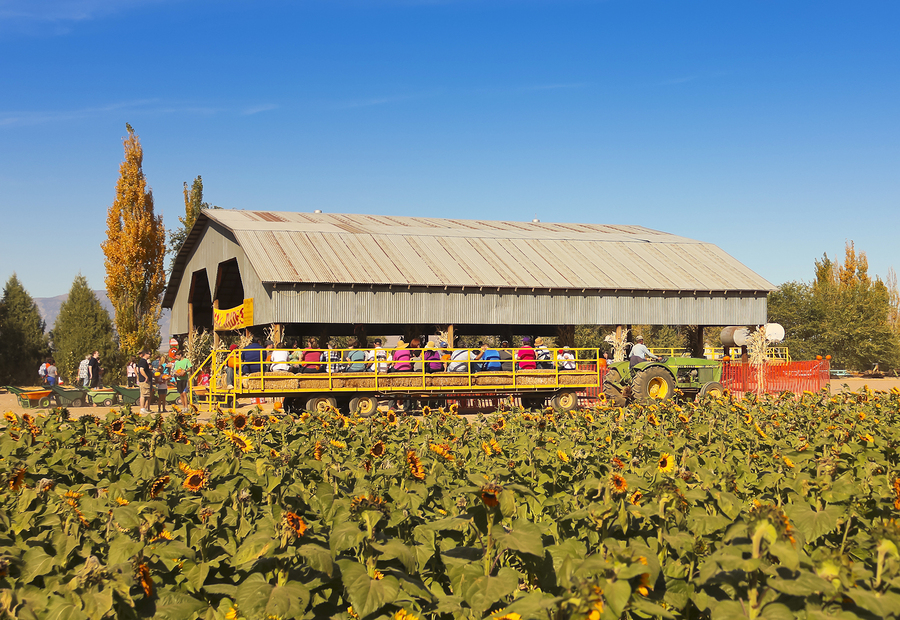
251	353
491	360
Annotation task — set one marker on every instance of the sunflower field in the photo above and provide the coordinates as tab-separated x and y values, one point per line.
781	507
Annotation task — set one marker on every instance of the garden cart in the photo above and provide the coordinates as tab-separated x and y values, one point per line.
102	396
69	396
32	399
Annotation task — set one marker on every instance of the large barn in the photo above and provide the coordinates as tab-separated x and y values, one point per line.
343	273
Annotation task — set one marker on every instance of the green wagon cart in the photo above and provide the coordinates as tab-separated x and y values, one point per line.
131	396
32	399
69	396
102	396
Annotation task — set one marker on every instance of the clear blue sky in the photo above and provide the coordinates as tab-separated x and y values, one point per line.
770	128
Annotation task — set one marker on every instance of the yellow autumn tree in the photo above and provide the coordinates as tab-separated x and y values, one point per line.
135	249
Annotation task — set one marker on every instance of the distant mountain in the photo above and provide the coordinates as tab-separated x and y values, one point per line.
49	309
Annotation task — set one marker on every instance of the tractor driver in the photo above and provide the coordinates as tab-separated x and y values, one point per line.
640	353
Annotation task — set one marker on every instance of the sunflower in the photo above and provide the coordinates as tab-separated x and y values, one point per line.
588	418
426	410
510	616
294	523
499	425
184	467
259	423
11	417
454	408
415	465
17	479
441	450
683	418
789	462
618	484
233	613
361	503
486	447
636	498
317	451
562	456
143	575
196	480
337	444
867	437
240	441
651	417
221	423
666	462
644	587
121	501
239	421
761	432
378	449
118	426
748	419
158	485
496	447
617	462
490	495
404	615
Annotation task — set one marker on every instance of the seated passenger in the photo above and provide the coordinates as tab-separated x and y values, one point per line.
251	357
459	360
526	355
401	358
506	357
432	358
333	358
377	358
566	359
490	359
311	358
543	355
640	353
279	359
356	358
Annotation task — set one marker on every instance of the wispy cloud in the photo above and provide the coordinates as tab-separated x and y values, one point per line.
143	106
556	86
373	101
66	10
265	107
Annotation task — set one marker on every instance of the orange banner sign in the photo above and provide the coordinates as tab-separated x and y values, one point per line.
238	317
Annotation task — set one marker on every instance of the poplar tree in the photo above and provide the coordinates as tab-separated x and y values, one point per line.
135	249
23	345
193	203
82	326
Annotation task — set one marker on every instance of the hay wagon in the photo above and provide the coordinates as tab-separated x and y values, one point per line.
363	392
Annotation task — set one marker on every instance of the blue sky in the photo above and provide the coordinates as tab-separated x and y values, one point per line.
769	128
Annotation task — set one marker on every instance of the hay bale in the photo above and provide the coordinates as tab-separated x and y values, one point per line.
447	379
277	380
577	378
536	377
401	380
356	380
494	378
312	382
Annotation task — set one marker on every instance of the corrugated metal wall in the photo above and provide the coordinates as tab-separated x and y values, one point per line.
298	305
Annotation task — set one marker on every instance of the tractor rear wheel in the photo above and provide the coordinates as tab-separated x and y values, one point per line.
611	389
654	383
713	389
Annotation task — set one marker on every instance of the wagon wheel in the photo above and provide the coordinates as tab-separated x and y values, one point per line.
107	402
366	406
77	403
655	383
44	402
565	401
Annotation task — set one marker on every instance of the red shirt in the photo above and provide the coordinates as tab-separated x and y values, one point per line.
526	357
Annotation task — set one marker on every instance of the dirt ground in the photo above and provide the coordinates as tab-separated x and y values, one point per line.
8	401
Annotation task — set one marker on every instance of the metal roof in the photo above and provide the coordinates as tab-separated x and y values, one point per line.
320	248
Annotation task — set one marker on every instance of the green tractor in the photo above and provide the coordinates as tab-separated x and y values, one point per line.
657	380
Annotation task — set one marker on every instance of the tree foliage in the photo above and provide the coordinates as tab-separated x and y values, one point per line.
23	345
843	313
82	326
135	251
193	203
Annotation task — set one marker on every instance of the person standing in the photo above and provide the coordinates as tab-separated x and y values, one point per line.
131	373
144	379
52	372
161	383
83	370
94	371
182	370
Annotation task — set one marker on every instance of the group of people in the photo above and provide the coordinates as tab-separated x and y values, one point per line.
404	357
156	376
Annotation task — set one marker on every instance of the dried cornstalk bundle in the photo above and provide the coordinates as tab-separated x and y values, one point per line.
275	333
617	341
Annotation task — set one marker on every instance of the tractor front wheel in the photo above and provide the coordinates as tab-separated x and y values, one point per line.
713	389
611	389
654	383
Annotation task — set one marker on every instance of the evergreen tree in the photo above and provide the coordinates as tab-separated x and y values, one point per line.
23	345
193	203
135	250
83	326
